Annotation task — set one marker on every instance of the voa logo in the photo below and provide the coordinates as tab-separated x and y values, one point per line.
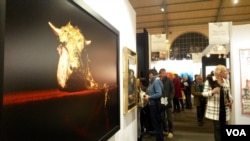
236	132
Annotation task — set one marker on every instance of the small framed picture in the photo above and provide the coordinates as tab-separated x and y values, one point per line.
129	81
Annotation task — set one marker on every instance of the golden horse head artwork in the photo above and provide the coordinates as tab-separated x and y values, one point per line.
73	73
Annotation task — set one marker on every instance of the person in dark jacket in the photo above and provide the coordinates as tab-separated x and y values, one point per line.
177	93
166	102
199	100
186	85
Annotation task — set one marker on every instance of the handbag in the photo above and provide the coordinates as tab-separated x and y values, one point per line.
183	95
141	102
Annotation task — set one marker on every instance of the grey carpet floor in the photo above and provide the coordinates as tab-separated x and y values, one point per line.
186	128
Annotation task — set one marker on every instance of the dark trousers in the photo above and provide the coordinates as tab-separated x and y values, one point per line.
166	119
217	130
188	100
182	103
169	119
145	119
201	111
176	104
155	114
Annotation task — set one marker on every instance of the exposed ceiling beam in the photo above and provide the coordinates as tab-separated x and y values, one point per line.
218	13
183	13
165	18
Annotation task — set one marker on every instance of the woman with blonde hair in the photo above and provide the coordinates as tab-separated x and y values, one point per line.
219	99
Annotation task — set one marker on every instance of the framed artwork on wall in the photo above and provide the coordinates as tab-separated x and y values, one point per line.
58	82
129	79
245	79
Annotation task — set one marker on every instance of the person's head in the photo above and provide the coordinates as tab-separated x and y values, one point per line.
185	78
248	83
131	73
138	83
176	76
212	73
152	73
221	71
195	77
162	73
199	79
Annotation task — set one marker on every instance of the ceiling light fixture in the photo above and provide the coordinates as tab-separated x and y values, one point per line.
162	9
235	1
219	56
220	47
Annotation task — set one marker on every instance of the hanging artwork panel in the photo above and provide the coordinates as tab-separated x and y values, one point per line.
245	80
129	79
58	82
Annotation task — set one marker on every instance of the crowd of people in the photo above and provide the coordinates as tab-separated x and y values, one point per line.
164	96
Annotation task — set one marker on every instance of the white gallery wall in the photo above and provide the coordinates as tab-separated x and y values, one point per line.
240	39
121	15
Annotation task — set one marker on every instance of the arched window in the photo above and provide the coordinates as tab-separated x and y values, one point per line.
186	44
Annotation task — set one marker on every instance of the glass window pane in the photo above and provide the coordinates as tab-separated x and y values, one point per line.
191	42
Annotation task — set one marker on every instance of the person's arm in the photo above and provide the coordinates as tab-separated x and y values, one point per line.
229	93
157	86
229	90
207	89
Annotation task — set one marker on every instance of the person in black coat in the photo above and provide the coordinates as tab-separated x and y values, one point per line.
186	85
166	103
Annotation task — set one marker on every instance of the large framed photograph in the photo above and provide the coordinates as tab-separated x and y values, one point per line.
129	76
58	81
245	79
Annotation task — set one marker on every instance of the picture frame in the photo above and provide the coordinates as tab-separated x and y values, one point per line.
129	79
244	55
47	93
